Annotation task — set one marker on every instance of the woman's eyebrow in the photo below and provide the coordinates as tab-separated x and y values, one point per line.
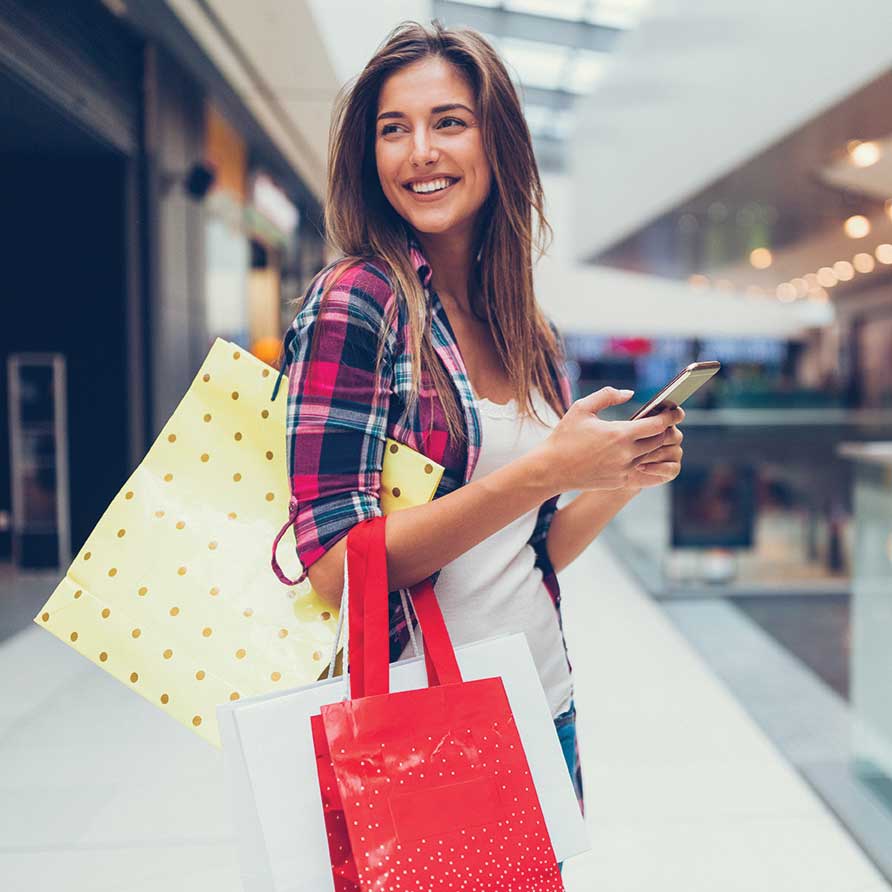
437	109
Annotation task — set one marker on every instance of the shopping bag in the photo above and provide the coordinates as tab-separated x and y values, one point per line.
270	767
434	785
172	592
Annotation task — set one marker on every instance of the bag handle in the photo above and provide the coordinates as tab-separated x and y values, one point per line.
274	562
368	617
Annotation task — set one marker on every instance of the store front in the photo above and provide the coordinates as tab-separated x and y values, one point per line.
251	245
70	396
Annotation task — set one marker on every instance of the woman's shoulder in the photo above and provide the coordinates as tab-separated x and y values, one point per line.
348	302
352	281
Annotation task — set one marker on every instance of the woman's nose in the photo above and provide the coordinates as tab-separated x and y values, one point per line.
423	150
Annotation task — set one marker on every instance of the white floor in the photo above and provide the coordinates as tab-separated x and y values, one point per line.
684	793
101	792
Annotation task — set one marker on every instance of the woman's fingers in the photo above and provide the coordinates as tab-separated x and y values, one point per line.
647	445
667	470
664	453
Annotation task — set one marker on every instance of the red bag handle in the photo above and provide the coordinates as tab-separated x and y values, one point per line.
369	617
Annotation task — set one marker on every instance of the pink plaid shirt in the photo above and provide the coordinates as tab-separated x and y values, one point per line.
340	410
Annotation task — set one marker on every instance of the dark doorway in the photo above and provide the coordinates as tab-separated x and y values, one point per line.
63	256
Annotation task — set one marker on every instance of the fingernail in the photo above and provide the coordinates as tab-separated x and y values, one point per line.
625	392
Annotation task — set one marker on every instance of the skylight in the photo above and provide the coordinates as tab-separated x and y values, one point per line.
556	9
537	64
555	50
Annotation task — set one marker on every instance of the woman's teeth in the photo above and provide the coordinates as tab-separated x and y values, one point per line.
431	186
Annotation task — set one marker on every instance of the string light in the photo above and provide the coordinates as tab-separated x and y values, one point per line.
761	258
864	154
864	263
844	270
786	292
857	226
827	277
801	287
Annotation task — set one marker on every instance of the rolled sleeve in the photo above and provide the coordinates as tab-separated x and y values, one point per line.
338	403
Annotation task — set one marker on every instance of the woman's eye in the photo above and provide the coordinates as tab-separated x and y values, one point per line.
454	120
387	129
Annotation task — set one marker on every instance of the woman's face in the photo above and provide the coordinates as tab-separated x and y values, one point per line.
427	135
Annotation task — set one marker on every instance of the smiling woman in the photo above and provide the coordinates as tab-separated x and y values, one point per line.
427	331
411	154
431	160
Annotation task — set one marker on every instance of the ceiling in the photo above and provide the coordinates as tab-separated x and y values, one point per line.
555	50
699	89
793	199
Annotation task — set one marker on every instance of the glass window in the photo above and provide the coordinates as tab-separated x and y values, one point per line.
556	9
538	118
536	64
587	68
616	13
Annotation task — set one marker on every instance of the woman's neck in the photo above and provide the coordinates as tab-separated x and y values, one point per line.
449	255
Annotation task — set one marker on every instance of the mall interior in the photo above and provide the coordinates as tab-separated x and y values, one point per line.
718	177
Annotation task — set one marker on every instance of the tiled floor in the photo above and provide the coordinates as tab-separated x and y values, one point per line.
101	792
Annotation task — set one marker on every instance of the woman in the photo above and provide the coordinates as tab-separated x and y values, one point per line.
428	332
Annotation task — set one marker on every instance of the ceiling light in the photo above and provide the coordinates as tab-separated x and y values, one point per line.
864	154
884	253
844	270
827	277
786	292
761	258
857	226
801	287
864	263
811	280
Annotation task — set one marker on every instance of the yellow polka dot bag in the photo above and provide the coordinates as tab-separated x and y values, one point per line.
172	593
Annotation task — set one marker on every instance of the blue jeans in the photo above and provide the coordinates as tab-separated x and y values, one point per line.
565	725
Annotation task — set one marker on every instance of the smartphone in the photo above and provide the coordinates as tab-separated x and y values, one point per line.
687	381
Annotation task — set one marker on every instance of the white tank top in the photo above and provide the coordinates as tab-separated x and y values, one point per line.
494	588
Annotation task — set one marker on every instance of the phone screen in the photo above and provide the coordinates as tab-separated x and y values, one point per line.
687	382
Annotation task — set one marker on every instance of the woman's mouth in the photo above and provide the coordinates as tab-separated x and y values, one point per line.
432	189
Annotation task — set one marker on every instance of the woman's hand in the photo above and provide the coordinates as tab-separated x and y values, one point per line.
661	465
586	452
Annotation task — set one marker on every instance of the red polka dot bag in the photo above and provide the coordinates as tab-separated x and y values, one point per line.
424	789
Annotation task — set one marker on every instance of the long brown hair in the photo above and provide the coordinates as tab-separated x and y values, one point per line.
361	223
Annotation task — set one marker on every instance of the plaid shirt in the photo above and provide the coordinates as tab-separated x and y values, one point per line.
340	411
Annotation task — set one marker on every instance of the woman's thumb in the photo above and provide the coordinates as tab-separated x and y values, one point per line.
606	396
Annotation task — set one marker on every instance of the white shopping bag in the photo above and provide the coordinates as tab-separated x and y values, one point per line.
271	766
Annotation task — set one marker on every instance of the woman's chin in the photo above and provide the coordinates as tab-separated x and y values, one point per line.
434	224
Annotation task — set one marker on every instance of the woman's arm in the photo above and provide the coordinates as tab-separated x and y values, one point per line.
423	539
575	526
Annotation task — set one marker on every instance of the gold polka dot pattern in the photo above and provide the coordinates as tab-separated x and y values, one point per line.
178	551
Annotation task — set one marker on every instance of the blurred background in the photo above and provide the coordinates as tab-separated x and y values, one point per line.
719	179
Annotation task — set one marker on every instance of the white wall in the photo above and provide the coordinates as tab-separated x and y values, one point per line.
585	298
352	30
702	86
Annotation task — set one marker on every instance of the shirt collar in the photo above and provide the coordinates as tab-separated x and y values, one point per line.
419	261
